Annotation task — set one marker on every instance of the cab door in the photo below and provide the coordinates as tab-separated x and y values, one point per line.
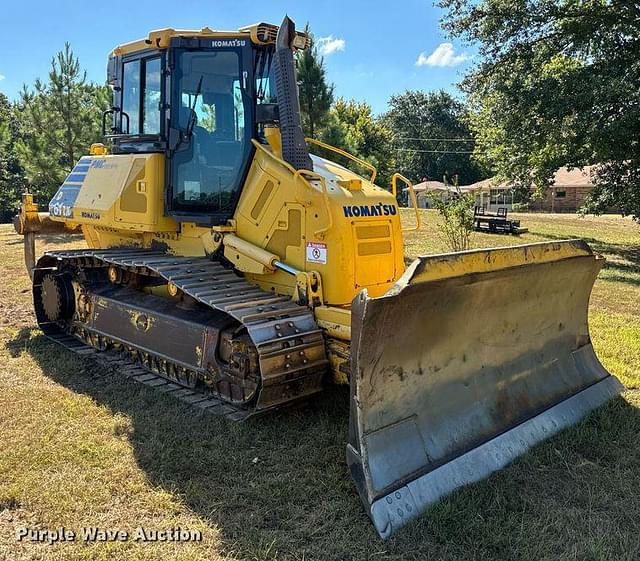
211	127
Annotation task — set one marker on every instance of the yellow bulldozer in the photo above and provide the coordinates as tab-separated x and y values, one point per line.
224	258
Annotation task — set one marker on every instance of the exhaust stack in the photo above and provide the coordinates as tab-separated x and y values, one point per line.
294	147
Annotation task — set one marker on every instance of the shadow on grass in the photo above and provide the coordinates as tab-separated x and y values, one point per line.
57	239
622	258
279	485
635	281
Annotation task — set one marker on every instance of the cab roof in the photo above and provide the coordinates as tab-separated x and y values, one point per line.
258	33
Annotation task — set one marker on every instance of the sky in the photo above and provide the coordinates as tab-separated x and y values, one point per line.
371	49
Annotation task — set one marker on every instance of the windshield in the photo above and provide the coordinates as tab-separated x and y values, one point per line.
213	112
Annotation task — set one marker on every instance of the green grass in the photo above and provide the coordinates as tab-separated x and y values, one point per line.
80	446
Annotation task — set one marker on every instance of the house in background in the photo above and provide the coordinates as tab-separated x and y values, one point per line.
427	190
567	194
491	195
488	195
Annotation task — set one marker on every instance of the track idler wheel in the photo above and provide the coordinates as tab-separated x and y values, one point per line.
57	297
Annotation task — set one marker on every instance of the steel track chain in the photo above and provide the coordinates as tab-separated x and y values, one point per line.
290	345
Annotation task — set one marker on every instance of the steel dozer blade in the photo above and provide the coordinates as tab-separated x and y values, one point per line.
465	363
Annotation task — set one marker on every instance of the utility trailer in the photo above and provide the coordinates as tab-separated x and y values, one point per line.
495	223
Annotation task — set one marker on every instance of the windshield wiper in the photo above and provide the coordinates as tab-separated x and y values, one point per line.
192	113
185	136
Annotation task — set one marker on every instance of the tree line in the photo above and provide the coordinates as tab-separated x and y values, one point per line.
555	83
53	123
408	137
44	133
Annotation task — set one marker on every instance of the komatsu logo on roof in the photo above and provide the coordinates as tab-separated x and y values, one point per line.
369	210
228	43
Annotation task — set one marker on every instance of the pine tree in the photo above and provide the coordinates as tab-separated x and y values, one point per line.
60	119
316	95
11	173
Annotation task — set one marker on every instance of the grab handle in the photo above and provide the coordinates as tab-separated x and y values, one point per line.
412	194
360	162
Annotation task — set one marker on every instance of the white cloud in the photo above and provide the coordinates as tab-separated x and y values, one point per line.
2	77
329	45
444	55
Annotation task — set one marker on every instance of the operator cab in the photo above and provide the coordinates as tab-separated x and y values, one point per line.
196	101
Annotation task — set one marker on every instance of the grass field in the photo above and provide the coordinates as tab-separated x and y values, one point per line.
80	446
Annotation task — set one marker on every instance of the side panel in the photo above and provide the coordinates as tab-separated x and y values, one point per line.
374	254
121	192
361	249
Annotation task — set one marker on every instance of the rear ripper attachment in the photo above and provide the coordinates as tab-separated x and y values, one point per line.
466	362
186	319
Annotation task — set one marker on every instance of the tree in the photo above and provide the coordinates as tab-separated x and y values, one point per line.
316	95
557	83
60	119
11	173
428	128
456	218
352	126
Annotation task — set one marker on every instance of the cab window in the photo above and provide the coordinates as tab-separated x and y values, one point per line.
141	96
131	97
210	107
151	97
223	113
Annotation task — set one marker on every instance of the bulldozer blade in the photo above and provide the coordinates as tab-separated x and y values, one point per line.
465	363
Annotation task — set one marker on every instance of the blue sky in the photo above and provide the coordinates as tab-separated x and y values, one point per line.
373	49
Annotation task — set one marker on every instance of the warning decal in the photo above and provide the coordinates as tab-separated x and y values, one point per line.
317	252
